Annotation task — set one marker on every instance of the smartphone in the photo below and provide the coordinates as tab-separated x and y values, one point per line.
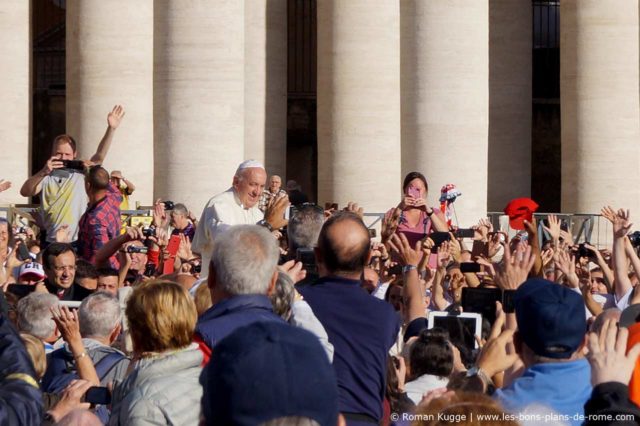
480	248
465	233
23	252
73	164
395	270
439	238
98	395
21	290
308	259
470	267
149	269
414	192
462	328
482	301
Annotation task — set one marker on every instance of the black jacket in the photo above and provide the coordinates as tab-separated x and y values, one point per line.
611	399
20	396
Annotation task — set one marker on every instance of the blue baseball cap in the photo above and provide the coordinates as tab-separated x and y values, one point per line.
551	318
265	371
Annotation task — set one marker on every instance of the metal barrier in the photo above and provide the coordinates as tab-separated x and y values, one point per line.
592	228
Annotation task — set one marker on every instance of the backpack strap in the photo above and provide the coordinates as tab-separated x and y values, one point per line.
106	364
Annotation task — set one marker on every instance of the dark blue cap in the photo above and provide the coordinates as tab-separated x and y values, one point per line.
265	371
551	318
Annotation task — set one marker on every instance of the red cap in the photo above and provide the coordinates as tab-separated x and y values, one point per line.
519	210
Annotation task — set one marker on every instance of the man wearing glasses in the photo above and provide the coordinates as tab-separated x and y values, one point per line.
59	263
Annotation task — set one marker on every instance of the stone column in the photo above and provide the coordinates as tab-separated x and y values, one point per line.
15	123
510	101
198	98
265	72
600	105
359	103
110	61
445	105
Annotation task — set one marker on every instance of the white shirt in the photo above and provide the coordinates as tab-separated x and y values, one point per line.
221	212
423	384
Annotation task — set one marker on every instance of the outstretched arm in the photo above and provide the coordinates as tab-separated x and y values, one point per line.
113	121
621	226
33	185
409	258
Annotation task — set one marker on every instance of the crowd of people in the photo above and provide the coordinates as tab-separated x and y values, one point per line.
271	310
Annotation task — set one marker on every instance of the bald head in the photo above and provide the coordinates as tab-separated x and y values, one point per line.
343	244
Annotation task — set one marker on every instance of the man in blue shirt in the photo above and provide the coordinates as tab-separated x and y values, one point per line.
360	327
241	274
550	339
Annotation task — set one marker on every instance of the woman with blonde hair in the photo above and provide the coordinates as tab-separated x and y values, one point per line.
163	386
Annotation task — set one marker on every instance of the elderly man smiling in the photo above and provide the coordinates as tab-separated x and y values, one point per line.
238	206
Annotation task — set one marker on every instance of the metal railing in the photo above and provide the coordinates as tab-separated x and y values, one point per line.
592	228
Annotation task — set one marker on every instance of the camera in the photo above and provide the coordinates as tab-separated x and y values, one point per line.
584	252
137	249
149	231
168	205
308	259
634	237
73	164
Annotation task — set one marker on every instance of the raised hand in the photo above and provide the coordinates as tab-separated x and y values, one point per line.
114	118
407	201
390	225
294	270
608	213
494	357
51	164
354	208
482	230
4	185
554	227
547	256
63	234
68	324
444	255
515	267
274	214
134	233
621	223
608	356
408	255
567	265
160	219
184	250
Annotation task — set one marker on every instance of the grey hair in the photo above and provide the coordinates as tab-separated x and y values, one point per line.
34	315
244	258
282	296
99	314
180	209
304	228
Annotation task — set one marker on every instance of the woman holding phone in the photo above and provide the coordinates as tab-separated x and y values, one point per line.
413	217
